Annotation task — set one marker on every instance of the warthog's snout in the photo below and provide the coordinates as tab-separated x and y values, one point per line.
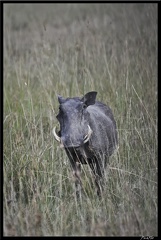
69	141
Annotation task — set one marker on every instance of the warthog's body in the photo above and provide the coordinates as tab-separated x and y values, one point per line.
87	132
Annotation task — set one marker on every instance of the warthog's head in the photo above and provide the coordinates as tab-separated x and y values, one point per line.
73	117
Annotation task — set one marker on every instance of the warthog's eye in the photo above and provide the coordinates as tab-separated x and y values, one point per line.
60	110
84	106
58	115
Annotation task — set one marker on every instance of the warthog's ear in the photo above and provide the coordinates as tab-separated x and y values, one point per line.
61	99
89	98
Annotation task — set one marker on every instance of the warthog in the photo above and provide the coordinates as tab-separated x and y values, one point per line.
87	133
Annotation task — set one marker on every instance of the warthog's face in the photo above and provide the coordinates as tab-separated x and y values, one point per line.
73	118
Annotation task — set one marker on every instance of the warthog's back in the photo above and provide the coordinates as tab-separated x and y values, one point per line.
104	137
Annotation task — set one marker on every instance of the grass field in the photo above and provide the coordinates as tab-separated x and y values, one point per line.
71	49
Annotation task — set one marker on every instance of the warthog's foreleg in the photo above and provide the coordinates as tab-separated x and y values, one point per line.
98	170
76	166
77	178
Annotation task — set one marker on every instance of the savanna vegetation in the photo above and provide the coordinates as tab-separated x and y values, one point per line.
71	49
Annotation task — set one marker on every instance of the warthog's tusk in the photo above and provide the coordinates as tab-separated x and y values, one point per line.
55	135
87	137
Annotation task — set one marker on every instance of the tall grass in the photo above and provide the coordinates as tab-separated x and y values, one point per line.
70	49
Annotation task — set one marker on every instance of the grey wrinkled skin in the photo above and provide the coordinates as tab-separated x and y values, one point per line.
75	114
